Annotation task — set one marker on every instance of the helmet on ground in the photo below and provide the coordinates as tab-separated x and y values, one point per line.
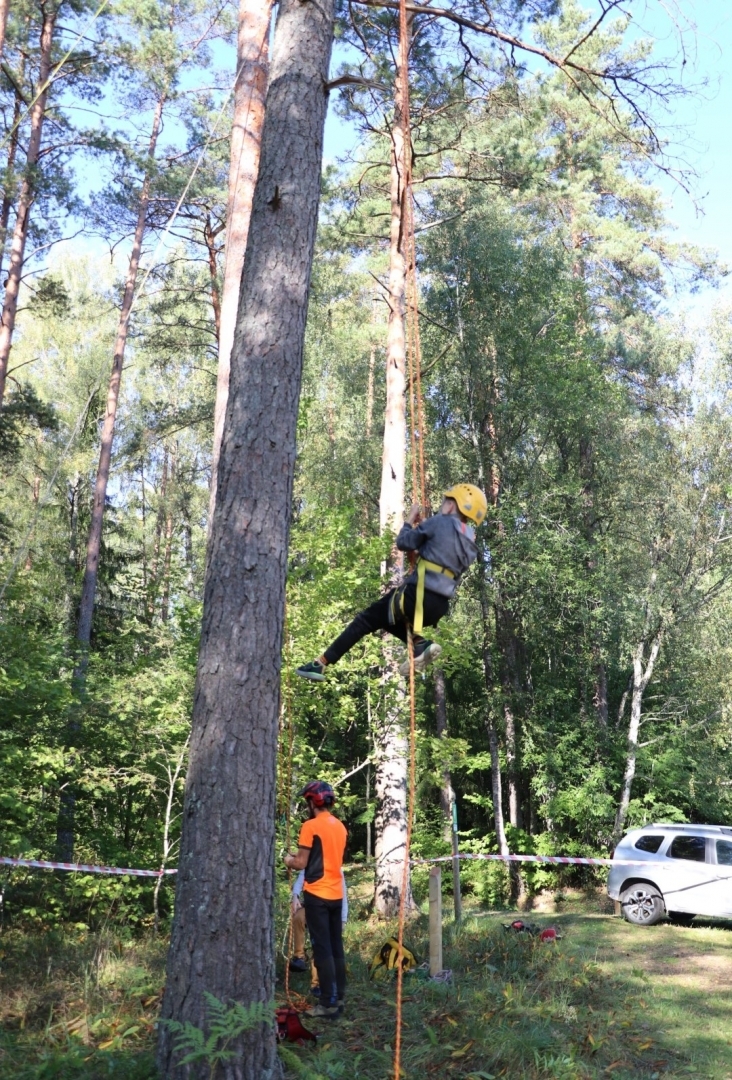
471	501
319	793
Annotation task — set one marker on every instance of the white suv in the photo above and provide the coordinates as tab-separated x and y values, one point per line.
681	871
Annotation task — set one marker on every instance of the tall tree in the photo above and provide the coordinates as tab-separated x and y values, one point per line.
222	941
49	12
159	56
252	64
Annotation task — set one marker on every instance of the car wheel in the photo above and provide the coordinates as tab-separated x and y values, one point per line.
642	904
680	918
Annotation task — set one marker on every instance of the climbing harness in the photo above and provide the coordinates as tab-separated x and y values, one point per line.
290	1028
422	566
390	956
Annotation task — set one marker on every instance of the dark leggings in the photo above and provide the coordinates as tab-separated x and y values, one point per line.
325	926
376	618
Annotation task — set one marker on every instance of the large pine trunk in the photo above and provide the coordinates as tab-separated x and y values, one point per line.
390	733
26	195
252	65
67	805
223	933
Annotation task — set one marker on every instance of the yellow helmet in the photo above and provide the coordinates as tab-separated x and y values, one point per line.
471	501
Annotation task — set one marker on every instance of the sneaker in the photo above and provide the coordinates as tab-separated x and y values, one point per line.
426	652
315	671
298	963
330	1012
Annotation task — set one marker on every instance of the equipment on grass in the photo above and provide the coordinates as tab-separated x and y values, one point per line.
290	1028
388	958
547	933
319	793
470	499
520	927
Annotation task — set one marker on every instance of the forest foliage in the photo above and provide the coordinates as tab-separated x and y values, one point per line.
558	373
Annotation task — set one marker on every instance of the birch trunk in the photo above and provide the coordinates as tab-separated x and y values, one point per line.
496	786
26	196
391	767
223	934
252	65
67	806
642	674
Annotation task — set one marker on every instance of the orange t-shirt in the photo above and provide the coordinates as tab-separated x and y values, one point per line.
326	837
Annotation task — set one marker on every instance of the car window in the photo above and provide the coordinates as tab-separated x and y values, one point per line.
724	853
649	843
688	847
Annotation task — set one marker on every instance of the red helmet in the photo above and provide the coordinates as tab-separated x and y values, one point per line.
319	792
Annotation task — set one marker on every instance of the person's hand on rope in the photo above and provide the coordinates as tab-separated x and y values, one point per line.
414	515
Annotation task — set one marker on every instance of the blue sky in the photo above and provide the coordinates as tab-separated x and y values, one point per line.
697	126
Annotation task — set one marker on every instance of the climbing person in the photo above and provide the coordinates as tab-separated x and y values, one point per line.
298	961
446	547
321	846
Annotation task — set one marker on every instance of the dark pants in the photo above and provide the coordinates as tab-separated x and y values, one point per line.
376	618
324	919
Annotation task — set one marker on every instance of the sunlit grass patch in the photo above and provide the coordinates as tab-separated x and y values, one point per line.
606	1002
588	1006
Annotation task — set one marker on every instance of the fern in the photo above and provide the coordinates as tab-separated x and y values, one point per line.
225	1023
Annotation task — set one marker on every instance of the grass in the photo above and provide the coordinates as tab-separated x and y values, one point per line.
606	1001
76	1004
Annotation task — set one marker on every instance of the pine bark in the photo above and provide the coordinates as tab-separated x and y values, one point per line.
391	768
26	195
4	8
252	65
223	934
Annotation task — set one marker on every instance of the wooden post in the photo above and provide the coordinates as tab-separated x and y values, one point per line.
435	920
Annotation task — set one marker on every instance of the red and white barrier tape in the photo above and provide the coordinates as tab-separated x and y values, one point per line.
555	860
83	868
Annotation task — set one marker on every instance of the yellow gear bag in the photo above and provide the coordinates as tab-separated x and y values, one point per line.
388	958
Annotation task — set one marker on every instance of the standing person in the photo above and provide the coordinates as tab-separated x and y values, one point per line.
321	846
297	960
446	547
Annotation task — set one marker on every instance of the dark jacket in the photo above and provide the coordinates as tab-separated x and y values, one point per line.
445	540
